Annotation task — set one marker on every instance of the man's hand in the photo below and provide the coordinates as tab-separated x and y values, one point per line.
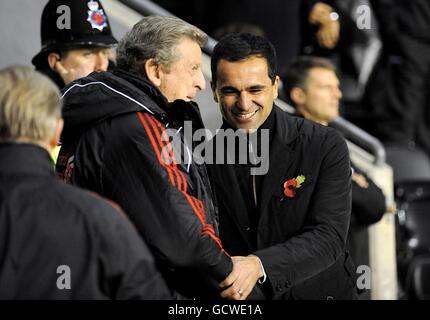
320	13
240	282
360	180
328	29
328	34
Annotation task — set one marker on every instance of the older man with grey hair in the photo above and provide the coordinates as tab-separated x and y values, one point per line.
115	143
56	241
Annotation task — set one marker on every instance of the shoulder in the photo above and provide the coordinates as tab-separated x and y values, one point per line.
87	206
97	85
312	134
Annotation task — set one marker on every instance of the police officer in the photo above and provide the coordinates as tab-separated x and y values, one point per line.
76	40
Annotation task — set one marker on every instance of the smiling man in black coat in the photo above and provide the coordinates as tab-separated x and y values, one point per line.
295	217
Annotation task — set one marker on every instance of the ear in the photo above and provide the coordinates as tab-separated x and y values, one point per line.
213	87
53	142
53	57
276	87
152	71
298	96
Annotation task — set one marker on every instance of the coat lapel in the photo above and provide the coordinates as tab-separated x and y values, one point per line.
283	158
228	195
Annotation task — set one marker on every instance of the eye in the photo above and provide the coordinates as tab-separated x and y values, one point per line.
106	53
88	53
228	92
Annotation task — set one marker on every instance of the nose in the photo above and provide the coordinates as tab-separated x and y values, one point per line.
200	82
338	93
102	62
244	102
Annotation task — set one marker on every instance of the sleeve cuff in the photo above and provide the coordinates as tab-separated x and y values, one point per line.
262	279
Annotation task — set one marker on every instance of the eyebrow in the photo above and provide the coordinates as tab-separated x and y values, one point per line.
256	87
253	87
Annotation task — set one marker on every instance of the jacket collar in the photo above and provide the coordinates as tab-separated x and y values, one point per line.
178	110
18	158
143	84
283	156
103	95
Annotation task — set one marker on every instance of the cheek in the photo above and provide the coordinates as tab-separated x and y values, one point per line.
265	101
314	101
227	103
80	63
176	83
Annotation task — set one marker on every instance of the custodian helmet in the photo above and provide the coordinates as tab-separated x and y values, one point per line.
73	23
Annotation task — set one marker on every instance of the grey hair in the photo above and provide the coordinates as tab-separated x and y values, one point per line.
29	105
155	37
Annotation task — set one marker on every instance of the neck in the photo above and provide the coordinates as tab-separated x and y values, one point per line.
311	117
45	145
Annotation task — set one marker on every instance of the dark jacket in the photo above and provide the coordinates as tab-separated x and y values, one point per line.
113	143
46	225
300	240
368	204
368	207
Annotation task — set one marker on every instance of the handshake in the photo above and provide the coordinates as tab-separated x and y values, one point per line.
242	279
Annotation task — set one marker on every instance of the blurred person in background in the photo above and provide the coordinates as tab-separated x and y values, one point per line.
397	94
313	89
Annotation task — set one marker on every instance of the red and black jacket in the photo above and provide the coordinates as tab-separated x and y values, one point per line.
114	143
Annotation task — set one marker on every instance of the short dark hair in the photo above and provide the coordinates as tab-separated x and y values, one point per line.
298	71
240	46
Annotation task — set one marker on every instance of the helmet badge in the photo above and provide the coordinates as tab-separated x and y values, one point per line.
96	16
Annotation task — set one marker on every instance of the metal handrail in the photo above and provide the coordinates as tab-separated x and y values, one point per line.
349	130
146	8
352	133
361	138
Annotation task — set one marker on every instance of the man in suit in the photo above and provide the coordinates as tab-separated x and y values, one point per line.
295	217
312	87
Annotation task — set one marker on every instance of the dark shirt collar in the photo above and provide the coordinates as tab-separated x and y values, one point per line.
18	158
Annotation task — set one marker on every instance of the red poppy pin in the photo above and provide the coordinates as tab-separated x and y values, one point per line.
291	185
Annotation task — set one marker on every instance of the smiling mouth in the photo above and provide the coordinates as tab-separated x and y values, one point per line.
245	116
